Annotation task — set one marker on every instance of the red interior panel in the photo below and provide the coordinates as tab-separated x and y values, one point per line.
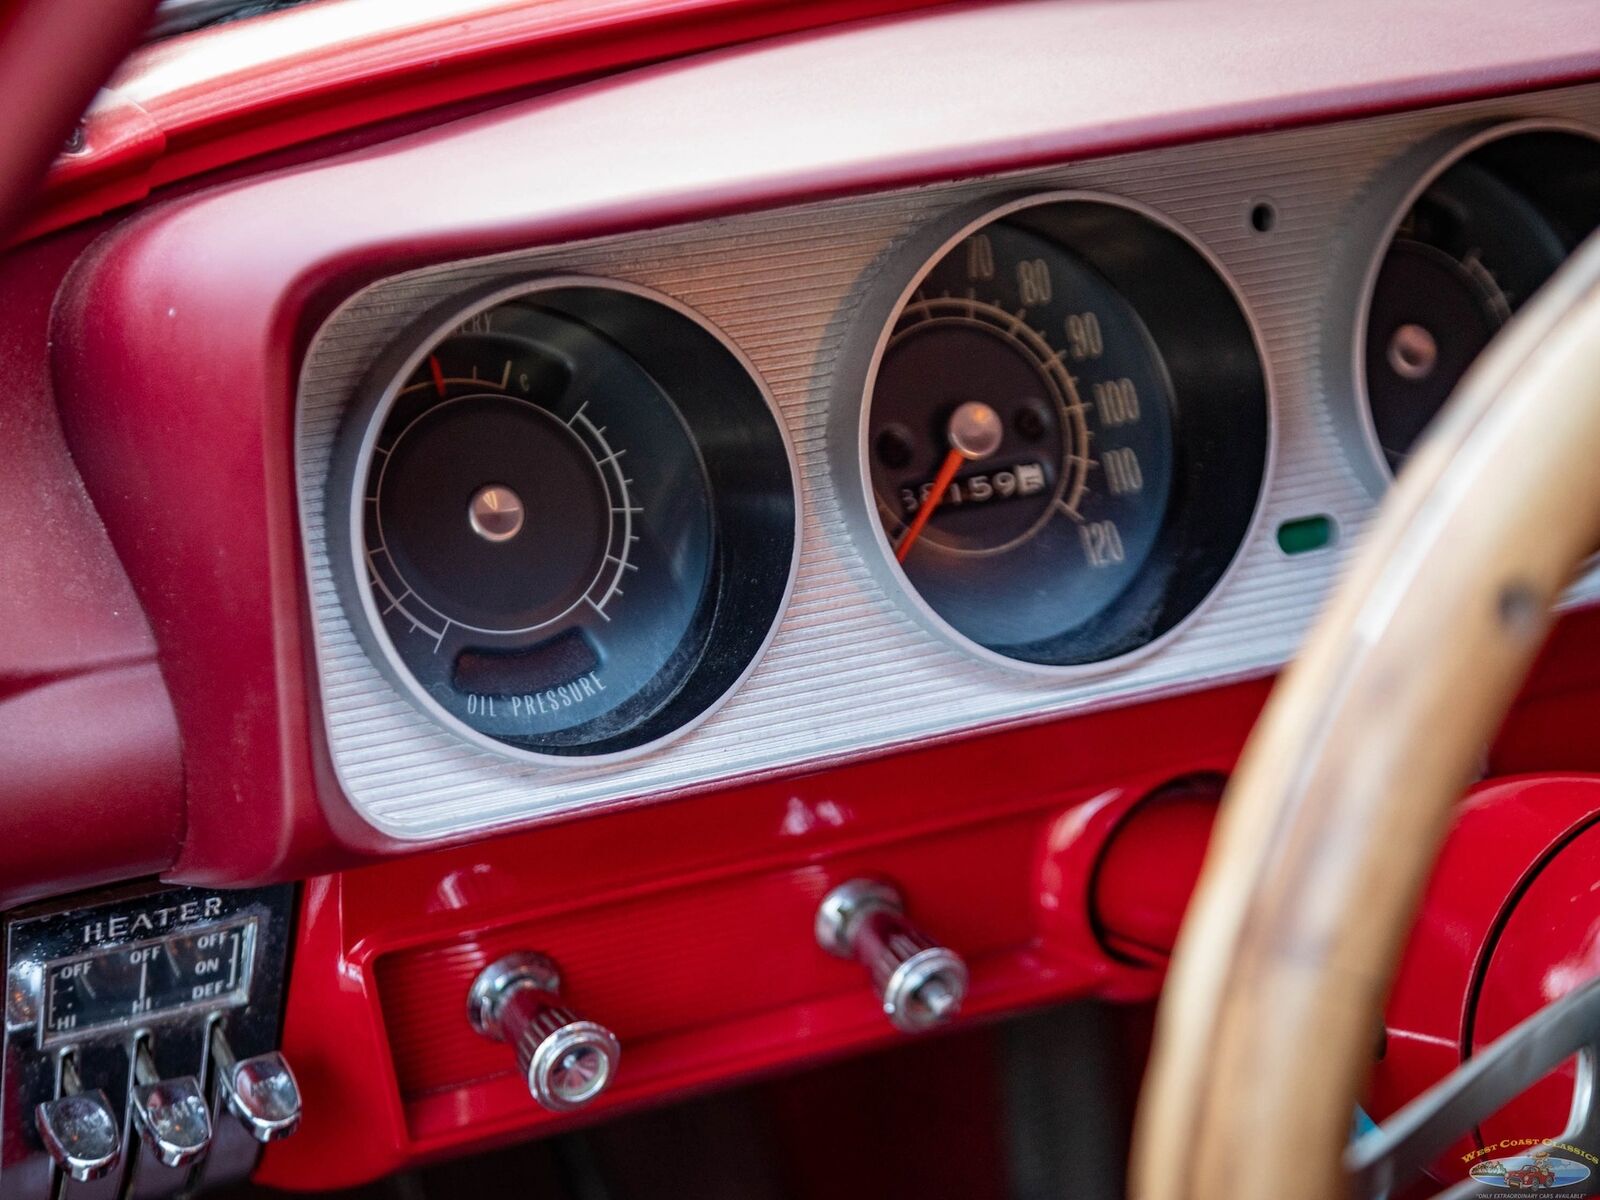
687	927
158	698
91	788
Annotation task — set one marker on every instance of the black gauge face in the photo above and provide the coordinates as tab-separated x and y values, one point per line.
1074	493
540	527
546	543
1481	239
1025	443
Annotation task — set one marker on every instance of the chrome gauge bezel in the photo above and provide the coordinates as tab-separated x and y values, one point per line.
1369	233
353	460
897	278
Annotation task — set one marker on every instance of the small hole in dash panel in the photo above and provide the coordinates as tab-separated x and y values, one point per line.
1306	534
1263	216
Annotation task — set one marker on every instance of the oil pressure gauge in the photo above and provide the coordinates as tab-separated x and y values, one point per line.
1062	432
570	519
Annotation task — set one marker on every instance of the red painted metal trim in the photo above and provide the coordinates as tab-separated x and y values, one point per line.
687	928
1140	889
1548	946
192	104
197	103
1505	835
1552	727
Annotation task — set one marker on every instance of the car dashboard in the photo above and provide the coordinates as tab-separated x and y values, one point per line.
584	538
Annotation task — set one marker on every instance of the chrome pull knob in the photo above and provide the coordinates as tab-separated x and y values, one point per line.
260	1091
78	1129
567	1061
919	982
171	1115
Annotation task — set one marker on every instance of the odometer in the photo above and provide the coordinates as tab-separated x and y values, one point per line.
1064	432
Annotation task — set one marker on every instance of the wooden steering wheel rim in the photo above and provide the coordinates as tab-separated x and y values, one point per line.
1273	1006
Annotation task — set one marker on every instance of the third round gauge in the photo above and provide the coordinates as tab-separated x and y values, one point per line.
1492	217
1063	431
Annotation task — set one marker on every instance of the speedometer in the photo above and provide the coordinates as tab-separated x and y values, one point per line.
1063	433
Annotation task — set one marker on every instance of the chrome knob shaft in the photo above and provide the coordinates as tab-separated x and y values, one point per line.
567	1061
919	982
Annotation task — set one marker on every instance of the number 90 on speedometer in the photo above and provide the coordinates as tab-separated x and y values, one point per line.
1063	432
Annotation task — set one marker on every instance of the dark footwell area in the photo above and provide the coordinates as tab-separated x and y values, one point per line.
1027	1109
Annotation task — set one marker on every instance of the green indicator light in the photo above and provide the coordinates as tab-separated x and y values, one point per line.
1305	534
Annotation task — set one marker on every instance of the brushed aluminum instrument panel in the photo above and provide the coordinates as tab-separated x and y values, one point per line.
850	670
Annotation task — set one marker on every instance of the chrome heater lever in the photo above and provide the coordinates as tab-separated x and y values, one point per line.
171	1115
260	1091
79	1130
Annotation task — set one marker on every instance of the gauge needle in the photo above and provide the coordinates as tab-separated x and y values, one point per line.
438	373
975	432
941	485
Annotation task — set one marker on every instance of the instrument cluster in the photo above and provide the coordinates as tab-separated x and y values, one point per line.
833	478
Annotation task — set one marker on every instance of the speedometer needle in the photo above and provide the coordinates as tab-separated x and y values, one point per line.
974	432
941	485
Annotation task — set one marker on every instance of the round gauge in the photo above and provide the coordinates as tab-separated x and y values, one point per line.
1064	432
570	517
1480	235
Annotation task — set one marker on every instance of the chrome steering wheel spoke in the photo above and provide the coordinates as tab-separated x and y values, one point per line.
1399	1149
